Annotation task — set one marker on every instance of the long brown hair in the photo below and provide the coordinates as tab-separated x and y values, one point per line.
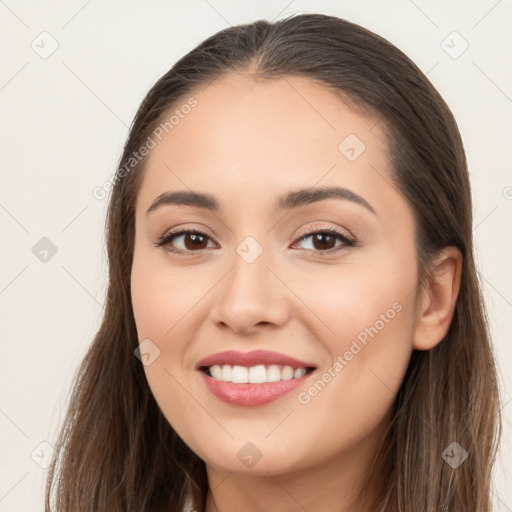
116	452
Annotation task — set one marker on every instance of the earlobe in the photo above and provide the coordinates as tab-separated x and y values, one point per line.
438	300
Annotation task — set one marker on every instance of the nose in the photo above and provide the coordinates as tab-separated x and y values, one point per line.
250	298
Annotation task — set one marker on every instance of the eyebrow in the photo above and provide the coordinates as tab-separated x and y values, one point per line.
289	201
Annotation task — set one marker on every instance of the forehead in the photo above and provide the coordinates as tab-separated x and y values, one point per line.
258	138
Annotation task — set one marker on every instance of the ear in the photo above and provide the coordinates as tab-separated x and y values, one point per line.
438	300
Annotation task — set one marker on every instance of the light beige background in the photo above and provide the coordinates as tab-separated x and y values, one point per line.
64	119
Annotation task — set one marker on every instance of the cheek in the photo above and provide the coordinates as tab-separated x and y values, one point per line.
366	328
162	303
166	304
369	354
363	302
162	298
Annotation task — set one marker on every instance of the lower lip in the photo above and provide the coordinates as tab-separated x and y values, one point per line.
251	395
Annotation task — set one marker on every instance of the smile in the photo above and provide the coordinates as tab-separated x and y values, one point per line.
252	378
255	374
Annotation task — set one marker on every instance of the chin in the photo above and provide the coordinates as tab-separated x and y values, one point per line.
254	455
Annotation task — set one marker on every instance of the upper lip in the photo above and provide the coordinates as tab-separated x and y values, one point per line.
253	358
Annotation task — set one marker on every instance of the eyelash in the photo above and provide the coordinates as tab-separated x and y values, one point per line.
305	233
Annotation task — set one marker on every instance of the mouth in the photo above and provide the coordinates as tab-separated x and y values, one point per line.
258	374
252	378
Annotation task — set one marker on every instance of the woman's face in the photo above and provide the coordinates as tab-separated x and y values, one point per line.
253	281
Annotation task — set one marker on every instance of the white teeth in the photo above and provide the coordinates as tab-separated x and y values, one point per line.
287	373
240	374
299	372
255	374
226	373
216	371
273	373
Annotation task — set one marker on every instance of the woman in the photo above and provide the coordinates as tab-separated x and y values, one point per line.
293	318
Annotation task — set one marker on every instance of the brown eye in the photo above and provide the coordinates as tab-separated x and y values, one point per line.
187	241
194	241
324	240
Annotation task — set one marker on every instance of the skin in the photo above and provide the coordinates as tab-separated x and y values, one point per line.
248	142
